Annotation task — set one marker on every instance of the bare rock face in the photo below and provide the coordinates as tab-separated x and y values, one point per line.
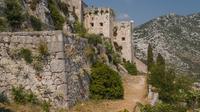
41	10
176	37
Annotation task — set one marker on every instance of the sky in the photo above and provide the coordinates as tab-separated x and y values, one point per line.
142	11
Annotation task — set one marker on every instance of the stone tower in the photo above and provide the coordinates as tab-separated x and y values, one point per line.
122	37
99	21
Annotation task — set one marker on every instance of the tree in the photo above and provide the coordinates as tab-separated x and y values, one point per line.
105	83
14	13
160	61
150	61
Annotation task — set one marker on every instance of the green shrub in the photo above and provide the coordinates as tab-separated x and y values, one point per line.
79	29
90	53
162	107
43	49
109	47
46	106
34	4
105	83
19	95
36	23
63	7
131	68
14	13
31	98
27	55
38	65
3	98
58	19
116	59
94	39
22	97
3	24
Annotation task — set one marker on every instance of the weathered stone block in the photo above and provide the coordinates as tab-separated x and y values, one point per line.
57	66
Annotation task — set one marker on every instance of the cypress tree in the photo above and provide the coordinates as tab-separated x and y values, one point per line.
160	61
150	61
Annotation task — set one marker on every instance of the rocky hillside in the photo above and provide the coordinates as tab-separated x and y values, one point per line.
176	37
34	15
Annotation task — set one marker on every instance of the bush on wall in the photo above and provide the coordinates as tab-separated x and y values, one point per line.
105	83
14	14
36	23
58	19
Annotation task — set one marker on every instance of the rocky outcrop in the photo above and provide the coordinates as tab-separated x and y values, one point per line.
63	80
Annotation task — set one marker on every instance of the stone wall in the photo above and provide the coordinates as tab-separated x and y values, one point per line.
63	80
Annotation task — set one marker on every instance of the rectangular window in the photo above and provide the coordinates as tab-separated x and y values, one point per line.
101	24
123	39
92	24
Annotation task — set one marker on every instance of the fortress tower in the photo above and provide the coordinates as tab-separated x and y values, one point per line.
99	21
122	37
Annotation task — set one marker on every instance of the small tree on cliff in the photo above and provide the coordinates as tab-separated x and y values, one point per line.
150	61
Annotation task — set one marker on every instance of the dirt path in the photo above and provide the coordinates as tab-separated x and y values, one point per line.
135	91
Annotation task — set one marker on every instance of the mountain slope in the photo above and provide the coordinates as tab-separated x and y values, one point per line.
176	37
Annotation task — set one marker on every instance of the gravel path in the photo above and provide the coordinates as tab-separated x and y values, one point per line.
134	91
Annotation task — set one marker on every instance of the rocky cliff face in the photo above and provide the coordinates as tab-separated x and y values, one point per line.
176	37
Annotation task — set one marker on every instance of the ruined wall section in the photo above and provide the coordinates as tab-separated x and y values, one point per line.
62	80
99	21
122	35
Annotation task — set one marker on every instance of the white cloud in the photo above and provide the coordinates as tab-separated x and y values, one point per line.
124	16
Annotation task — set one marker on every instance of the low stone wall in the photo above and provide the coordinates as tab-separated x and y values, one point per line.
63	80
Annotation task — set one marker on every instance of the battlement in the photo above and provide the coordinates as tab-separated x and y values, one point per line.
98	11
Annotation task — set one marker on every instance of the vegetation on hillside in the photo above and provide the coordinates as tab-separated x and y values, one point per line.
174	89
57	17
14	14
36	23
105	83
131	68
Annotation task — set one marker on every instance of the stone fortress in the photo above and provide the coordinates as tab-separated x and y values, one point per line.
64	80
102	21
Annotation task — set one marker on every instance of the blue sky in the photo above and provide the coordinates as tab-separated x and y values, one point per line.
143	10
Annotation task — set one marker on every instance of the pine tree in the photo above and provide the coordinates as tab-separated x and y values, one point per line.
150	61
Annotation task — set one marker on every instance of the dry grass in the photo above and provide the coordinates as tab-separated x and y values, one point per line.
20	108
